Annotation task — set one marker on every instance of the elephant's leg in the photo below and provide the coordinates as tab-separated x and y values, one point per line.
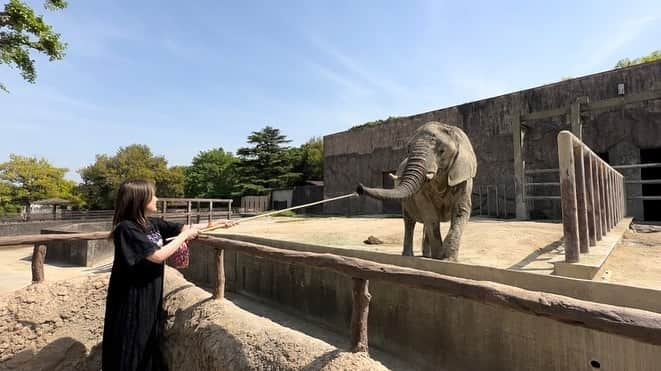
435	241
409	227
460	215
426	247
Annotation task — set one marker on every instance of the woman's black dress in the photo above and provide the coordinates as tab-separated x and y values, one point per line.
134	315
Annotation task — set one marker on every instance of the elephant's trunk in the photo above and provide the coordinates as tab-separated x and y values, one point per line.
409	183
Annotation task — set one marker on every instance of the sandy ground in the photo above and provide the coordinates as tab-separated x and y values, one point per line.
637	259
487	242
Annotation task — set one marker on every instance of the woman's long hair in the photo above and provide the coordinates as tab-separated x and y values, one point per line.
132	200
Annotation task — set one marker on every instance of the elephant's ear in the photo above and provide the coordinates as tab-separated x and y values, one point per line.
464	166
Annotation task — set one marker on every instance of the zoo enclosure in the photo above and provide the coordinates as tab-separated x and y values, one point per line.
641	325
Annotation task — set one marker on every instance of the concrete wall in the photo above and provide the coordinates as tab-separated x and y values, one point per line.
435	331
80	253
364	154
24	228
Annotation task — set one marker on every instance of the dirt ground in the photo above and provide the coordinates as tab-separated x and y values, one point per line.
485	242
519	245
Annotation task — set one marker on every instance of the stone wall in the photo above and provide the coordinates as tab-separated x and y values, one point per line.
364	154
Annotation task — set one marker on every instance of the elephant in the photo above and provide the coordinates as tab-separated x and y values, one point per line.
434	184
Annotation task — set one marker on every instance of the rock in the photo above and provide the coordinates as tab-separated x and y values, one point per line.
371	240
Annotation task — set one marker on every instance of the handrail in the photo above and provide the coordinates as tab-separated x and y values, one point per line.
592	195
641	325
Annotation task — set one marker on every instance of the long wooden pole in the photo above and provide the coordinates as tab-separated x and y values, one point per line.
214	227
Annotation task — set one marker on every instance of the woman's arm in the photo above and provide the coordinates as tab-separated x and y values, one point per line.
159	256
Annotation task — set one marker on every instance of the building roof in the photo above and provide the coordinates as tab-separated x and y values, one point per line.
52	201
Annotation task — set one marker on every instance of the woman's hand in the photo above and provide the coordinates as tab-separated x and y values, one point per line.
228	223
190	233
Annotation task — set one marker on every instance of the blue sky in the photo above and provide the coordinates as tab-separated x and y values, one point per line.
183	77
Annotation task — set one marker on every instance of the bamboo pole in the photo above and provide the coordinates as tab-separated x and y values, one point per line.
210	229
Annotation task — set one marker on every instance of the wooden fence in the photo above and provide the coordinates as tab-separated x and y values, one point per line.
591	193
641	325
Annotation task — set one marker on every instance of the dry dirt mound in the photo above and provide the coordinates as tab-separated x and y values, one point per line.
223	334
53	326
59	325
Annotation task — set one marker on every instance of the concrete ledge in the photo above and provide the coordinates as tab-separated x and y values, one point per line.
592	263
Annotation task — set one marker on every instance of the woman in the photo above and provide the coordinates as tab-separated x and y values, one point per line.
134	315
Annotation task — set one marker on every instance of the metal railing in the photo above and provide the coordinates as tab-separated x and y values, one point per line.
592	195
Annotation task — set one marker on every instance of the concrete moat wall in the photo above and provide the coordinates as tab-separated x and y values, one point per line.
81	253
437	331
365	154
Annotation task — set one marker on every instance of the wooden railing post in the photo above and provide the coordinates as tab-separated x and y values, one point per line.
38	256
597	197
361	302
219	290
604	203
581	198
589	193
568	196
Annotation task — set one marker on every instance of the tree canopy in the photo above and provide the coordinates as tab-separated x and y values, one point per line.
24	180
267	164
102	179
212	174
310	160
626	62
22	31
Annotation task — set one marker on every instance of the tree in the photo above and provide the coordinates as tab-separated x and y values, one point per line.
626	62
29	179
102	179
211	175
6	203
173	185
311	161
267	164
22	31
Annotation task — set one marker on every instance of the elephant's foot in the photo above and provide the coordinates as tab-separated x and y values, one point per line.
407	253
451	254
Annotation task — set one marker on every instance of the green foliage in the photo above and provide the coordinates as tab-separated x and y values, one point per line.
310	160
22	31
211	175
376	123
102	179
24	180
626	62
267	164
173	184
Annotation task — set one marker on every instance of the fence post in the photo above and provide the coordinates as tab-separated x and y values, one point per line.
589	193
360	310
219	290
597	196
581	198
519	168
188	212
568	196
38	256
604	205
